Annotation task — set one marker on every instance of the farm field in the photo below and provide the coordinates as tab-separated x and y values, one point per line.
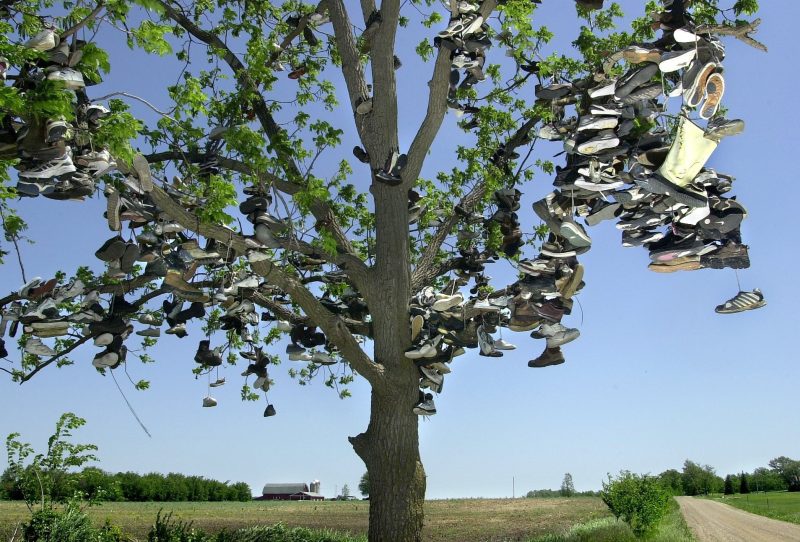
777	505
455	520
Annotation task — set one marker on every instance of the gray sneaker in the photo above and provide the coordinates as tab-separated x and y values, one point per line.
718	127
36	347
425	407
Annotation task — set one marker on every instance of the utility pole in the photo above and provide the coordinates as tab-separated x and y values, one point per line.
512	487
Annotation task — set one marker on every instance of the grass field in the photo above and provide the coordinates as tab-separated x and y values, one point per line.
580	519
778	505
458	520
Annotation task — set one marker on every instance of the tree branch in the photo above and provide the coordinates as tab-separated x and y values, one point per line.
739	32
426	269
345	259
352	69
81	24
333	326
61	354
437	108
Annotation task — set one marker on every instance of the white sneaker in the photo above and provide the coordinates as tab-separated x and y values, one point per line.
501	344
283	325
209	401
72	79
300	356
675	60
682	35
50	169
43	41
36	347
467	7
322	359
483	305
445	302
104	339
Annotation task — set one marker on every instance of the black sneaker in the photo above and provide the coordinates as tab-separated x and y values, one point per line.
361	155
743	301
253	204
111	250
269	411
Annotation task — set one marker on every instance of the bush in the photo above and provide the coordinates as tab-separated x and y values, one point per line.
640	501
166	529
68	525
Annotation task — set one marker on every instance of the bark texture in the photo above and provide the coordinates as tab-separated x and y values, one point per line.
390	449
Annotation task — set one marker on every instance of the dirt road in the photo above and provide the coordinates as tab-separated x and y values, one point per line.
711	521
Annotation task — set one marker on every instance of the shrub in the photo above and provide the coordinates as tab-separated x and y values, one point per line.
68	525
640	501
166	529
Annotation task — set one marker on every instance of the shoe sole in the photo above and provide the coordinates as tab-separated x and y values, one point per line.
658	185
606	123
697	91
609	212
142	169
669	268
713	96
753	307
595	146
572	233
638	78
112	211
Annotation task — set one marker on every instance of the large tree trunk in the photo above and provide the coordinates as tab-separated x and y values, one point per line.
390	449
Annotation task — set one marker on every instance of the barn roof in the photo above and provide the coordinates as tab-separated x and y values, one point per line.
283	489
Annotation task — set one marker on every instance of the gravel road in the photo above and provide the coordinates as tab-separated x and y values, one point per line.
711	521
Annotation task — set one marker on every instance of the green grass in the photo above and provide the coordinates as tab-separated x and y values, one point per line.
457	520
780	505
672	529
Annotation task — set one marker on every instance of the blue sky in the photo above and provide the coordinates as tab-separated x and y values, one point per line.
656	377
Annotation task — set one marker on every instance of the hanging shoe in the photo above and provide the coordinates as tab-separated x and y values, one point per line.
743	301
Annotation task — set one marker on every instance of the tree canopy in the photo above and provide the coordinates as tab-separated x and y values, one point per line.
373	267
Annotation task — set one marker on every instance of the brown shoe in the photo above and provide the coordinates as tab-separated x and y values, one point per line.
550	356
637	55
524	316
571	284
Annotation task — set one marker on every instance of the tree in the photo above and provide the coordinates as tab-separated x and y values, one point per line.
672	481
728	485
335	256
764	479
567	487
43	478
640	501
788	470
700	479
363	485
744	487
345	491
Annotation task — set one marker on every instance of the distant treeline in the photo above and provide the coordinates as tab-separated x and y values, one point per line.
130	486
552	493
781	474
